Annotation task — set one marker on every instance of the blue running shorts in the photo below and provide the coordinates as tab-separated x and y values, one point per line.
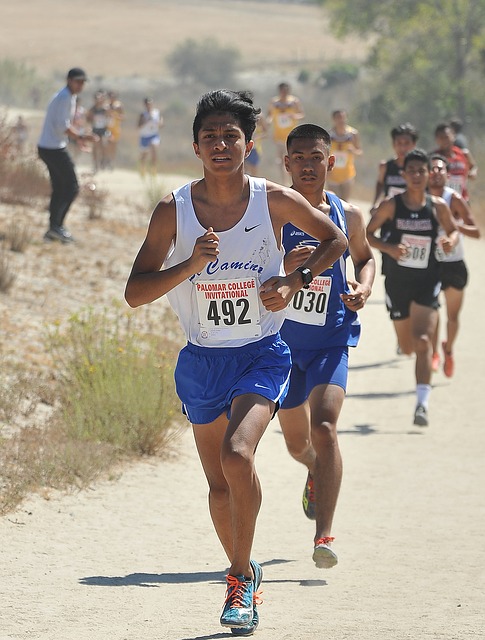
208	379
313	367
149	141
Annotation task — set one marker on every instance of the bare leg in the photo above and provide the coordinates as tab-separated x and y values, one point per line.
208	439
310	432
404	335
153	159
295	424
325	404
250	415
143	161
423	326
454	301
227	454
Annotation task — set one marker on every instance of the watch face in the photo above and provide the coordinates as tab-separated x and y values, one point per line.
306	275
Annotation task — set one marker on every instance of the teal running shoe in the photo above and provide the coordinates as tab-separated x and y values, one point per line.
308	499
238	608
249	629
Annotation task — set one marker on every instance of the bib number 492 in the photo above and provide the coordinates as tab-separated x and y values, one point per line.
230	313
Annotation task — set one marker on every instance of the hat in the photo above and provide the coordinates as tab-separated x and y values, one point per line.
76	74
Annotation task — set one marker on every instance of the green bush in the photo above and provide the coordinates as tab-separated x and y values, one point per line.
118	383
18	82
205	62
339	73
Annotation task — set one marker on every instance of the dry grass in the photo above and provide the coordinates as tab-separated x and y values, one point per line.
110	398
18	236
7	277
93	198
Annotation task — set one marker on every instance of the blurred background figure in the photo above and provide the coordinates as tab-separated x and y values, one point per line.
284	112
149	125
20	134
116	114
461	164
345	146
98	118
254	158
456	125
76	145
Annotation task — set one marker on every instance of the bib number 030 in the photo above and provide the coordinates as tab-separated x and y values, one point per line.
309	306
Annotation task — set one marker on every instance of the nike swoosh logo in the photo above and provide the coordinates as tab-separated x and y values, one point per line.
247	229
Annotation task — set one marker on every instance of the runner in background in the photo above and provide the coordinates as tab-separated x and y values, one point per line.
461	164
412	278
150	122
345	147
453	270
321	324
284	112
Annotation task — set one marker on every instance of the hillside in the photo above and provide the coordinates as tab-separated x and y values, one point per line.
121	38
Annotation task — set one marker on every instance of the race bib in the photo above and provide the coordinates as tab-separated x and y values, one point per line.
393	191
457	183
418	250
340	159
309	306
228	309
100	121
284	120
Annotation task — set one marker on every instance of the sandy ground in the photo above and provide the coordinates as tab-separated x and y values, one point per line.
138	558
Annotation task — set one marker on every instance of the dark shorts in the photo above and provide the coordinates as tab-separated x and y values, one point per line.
208	379
314	367
454	275
102	133
400	293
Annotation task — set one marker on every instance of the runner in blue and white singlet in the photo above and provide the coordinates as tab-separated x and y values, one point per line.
317	317
321	325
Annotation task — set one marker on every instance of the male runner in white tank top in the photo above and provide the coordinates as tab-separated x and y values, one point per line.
233	373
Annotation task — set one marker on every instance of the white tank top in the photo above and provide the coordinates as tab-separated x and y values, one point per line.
458	251
221	307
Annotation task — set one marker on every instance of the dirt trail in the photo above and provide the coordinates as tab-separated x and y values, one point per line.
138	558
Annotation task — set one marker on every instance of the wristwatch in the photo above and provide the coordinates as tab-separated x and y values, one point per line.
306	276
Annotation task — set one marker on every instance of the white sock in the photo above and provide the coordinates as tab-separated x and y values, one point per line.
422	394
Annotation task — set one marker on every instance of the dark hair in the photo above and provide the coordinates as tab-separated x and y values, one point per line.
438	156
405	129
441	127
309	132
456	124
283	85
238	103
417	154
337	111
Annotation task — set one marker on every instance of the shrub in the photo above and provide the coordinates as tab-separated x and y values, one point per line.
7	277
19	83
117	382
155	190
338	73
205	62
19	236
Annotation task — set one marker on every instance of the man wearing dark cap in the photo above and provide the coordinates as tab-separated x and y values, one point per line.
52	148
